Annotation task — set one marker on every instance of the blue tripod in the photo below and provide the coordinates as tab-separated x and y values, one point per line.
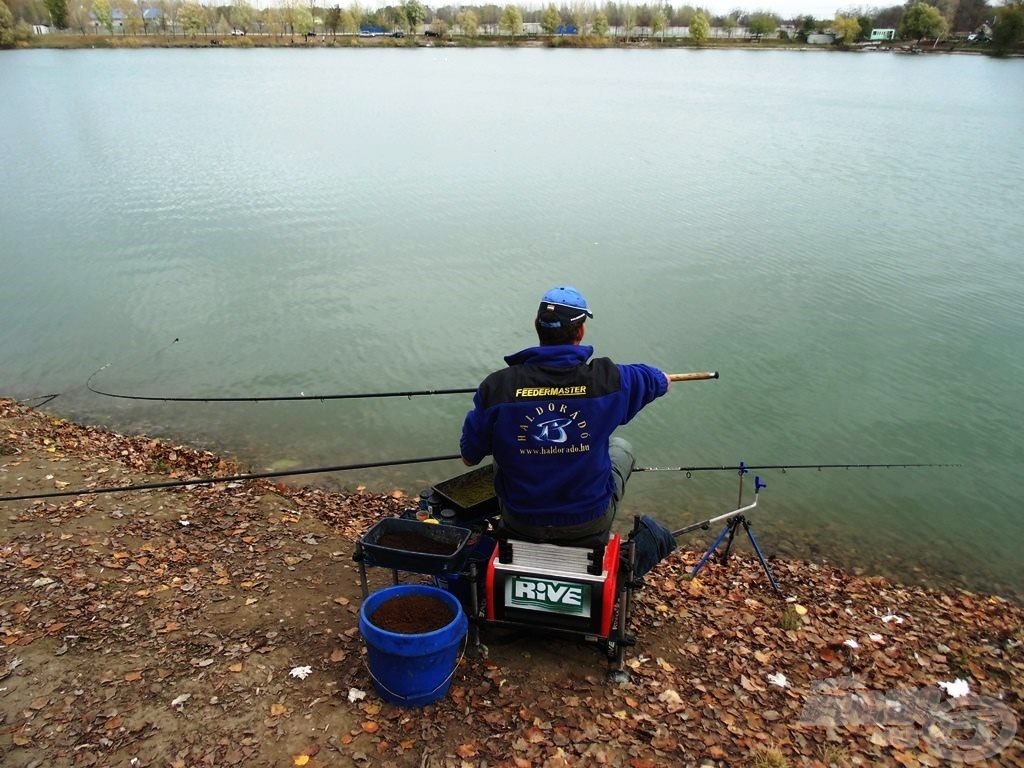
729	533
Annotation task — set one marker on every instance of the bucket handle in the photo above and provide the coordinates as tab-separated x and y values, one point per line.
462	655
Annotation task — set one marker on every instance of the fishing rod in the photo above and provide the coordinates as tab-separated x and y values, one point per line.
741	468
699	376
786	467
228	478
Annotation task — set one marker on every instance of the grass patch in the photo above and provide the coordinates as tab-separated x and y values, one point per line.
768	757
834	756
790	619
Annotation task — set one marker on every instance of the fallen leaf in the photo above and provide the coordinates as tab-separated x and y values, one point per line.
370	727
466	750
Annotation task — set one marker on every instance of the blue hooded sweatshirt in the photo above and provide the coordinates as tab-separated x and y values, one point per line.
546	419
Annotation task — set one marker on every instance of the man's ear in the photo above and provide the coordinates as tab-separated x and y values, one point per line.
579	332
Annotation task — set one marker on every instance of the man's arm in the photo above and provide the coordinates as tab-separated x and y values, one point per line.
475	442
641	384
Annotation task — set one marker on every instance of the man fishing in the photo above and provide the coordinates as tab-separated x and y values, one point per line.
548	420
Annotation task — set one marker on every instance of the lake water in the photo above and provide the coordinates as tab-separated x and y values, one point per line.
839	235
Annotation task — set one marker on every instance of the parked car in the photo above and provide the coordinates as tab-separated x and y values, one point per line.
238	32
398	33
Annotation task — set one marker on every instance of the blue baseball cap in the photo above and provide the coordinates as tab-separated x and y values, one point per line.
565	302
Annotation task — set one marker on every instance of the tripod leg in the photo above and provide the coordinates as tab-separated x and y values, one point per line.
732	534
760	556
710	551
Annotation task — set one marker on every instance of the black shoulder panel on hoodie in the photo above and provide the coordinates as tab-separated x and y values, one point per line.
523	383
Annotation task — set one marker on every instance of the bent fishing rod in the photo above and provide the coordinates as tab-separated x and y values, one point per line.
699	376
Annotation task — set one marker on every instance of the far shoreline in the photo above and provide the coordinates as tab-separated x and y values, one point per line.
88	41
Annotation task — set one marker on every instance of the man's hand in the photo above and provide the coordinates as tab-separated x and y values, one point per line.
469	463
668	382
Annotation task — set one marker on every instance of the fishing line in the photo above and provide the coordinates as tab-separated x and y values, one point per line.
227	479
48	398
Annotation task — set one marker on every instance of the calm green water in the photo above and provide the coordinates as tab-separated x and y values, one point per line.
839	235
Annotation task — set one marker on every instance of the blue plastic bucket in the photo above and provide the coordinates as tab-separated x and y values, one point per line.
412	670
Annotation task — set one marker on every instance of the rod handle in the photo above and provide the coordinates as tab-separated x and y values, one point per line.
701	376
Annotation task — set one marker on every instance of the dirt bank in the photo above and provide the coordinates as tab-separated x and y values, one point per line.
160	628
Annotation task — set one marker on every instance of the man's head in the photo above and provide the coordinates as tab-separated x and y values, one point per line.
561	316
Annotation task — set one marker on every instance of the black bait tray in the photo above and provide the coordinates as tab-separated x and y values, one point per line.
392	543
470	494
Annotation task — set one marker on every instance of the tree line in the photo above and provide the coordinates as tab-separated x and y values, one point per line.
916	19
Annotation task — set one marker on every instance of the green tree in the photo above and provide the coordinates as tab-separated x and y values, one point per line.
58	13
865	27
659	23
846	28
511	22
921	21
78	17
1008	31
241	15
104	16
223	28
600	24
578	16
551	20
414	14
358	15
700	28
807	26
629	20
6	26
397	19
191	17
762	23
348	22
729	24
133	19
332	19
468	23
168	10
971	14
302	20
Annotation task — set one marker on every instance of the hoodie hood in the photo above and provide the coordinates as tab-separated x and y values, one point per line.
558	355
